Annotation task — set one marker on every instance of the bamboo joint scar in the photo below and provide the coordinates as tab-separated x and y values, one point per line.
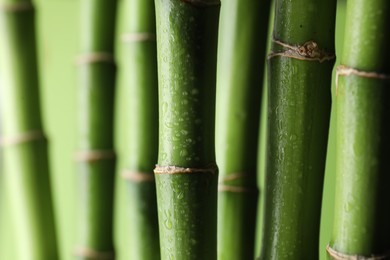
309	51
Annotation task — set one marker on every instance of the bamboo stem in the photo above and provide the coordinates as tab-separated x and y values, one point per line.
139	73
96	157
26	173
300	68
361	227
241	52
186	175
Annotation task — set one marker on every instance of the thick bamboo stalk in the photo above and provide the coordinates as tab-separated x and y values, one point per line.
139	74
95	157
361	226
241	52
26	173
186	174
300	68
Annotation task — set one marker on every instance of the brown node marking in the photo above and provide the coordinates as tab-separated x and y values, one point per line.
343	70
94	254
137	176
17	7
95	57
236	189
309	51
202	3
182	170
340	256
233	177
95	155
138	37
223	186
22	138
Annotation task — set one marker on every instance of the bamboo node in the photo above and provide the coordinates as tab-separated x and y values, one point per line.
22	138
95	155
236	189
202	3
182	170
233	177
135	176
138	37
340	256
17	7
223	185
94	254
95	57
309	51
343	70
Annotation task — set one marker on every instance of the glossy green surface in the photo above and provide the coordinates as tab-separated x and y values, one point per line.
361	225
96	104
187	209
25	168
241	53
187	203
298	122
187	37
138	63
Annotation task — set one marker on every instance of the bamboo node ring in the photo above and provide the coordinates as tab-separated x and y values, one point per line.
94	155
233	177
94	254
343	70
95	57
202	3
340	256
22	138
17	7
182	170
138	37
236	189
136	176
223	185
309	51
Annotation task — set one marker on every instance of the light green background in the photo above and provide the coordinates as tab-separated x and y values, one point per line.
58	29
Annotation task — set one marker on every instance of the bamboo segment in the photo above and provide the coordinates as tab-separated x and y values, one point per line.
361	226
186	175
96	158
139	72
26	171
300	69
242	42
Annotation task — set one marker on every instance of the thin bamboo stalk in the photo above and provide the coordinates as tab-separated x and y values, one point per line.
95	157
186	174
26	171
139	74
241	52
361	227
300	69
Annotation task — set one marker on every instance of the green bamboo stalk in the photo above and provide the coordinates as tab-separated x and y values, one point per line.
361	226
186	174
300	69
139	74
95	157
242	43
26	171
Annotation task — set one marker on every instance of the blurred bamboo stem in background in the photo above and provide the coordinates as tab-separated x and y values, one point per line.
300	69
139	73
96	157
186	174
241	52
26	170
362	212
